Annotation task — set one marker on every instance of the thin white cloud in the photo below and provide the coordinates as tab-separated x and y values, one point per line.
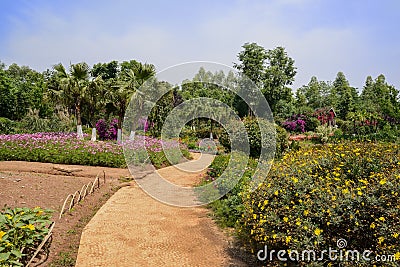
46	39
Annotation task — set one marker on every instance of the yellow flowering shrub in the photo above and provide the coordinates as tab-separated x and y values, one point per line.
320	194
21	231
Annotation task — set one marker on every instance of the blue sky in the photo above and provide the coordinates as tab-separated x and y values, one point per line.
357	37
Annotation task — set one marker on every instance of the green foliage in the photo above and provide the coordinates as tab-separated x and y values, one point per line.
322	193
271	71
380	98
21	231
60	155
323	132
33	123
276	135
311	123
6	126
282	141
21	89
229	209
314	95
344	97
345	126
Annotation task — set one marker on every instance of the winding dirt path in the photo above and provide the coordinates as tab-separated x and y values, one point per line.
133	229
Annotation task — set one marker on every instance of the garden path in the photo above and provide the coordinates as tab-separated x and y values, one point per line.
133	229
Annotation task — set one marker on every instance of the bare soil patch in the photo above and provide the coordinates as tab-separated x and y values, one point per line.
31	184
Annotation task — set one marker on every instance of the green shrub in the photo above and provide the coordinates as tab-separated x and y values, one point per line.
323	193
282	141
229	208
21	231
312	123
6	126
323	132
275	136
32	123
345	126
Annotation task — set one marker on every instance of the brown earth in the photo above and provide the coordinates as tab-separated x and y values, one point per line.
31	184
130	227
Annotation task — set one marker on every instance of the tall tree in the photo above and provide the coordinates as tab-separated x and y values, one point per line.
106	70
29	89
7	98
272	71
380	97
132	75
73	87
280	73
252	62
343	96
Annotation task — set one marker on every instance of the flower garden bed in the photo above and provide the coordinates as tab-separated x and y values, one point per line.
66	148
321	194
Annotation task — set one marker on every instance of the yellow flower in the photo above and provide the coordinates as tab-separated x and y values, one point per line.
298	223
372	226
295	180
333	198
317	231
363	181
29	226
380	240
306	212
9	216
288	238
395	235
285	219
276	192
359	193
274	236
345	191
382	219
397	256
382	182
2	233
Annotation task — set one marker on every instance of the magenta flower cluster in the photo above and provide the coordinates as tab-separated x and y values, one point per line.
107	130
296	123
68	142
146	124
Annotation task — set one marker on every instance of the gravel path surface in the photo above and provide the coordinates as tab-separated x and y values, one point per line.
134	229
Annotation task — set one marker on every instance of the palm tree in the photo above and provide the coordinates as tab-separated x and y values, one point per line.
94	100
73	87
129	81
